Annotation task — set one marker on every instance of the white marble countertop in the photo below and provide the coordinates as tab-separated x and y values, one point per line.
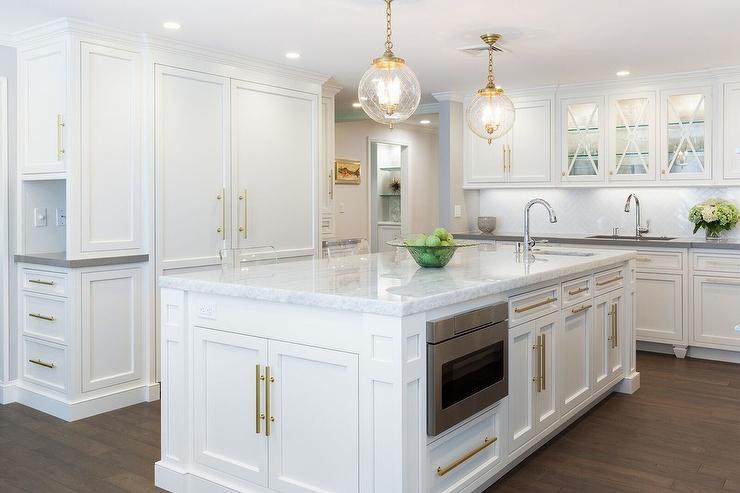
392	283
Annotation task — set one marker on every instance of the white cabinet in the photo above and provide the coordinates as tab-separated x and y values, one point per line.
632	149
716	311
583	139
326	162
386	233
42	108
485	163
731	130
660	307
607	339
574	355
686	134
256	407
192	165
533	401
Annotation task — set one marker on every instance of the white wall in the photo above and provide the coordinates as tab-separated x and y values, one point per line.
598	210
351	143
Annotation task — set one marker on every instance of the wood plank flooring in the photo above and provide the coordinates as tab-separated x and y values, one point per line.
679	432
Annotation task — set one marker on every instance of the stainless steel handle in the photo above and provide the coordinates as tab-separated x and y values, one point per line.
615	279
577	291
222	228
543	363
546	301
259	415
42	317
43	283
42	363
487	442
60	137
243	199
582	308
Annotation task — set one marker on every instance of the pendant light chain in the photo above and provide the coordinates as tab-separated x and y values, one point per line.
388	29
490	65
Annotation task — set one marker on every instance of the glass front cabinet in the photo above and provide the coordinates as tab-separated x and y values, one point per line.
583	139
632	137
685	121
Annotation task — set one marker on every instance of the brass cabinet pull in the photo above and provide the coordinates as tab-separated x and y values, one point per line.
504	156
615	338
509	160
546	301
243	229
42	363
331	185
538	366
543	363
42	317
644	259
60	137
269	419
259	416
222	228
44	283
577	291
580	309
614	279
487	442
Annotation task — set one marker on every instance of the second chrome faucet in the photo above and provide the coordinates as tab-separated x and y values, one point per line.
639	228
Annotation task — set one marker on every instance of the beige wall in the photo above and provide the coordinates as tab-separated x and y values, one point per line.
351	201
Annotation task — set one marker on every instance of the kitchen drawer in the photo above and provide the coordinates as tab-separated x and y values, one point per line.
529	306
727	263
653	260
608	280
45	282
577	291
45	363
461	456
44	317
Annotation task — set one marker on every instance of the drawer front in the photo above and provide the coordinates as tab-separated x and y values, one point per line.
716	262
44	317
651	260
529	306
45	282
608	280
577	291
461	456
45	363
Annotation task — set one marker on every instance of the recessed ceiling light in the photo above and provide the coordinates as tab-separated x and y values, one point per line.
623	73
292	55
174	26
425	122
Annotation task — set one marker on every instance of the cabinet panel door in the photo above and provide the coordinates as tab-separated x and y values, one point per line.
686	134
225	399
111	149
616	355
111	328
42	107
193	166
275	154
315	435
600	340
522	367
716	311
574	355
660	307
632	146
547	405
731	125
530	157
484	162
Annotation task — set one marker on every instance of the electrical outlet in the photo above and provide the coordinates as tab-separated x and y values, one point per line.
341	207
458	211
207	311
61	217
39	217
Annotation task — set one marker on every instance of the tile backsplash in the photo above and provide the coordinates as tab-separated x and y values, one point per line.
598	210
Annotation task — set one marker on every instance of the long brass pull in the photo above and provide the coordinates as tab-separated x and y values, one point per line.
259	416
644	259
487	442
538	366
543	363
331	185
547	301
580	309
222	228
60	137
614	279
42	363
504	157
269	419
615	339
611	326
509	158
577	291
243	199
42	317
44	283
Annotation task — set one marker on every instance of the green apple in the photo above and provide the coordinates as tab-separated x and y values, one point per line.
441	233
433	241
420	240
429	258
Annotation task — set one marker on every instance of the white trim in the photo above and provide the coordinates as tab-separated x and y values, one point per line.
693	351
4	236
8	393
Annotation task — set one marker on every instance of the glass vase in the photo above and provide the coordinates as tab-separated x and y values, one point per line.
713	234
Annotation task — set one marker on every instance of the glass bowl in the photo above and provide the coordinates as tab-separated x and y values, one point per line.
432	256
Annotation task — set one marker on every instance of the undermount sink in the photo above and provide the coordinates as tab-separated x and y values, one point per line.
624	237
565	253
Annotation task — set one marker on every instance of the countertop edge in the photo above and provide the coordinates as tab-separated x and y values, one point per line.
50	261
580	240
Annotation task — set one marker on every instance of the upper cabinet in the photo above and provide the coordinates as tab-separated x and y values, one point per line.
582	124
731	137
686	134
632	137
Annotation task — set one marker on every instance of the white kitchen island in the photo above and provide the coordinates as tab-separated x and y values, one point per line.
311	376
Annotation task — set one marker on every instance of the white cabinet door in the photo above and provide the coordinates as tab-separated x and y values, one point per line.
193	166
111	329
686	134
314	444
110	155
615	354
522	374
387	233
326	168
546	396
574	355
42	109
632	145
731	125
275	155
660	307
717	311
530	154
484	162
229	434
600	342
583	139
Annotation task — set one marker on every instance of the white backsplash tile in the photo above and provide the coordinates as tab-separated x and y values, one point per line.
598	210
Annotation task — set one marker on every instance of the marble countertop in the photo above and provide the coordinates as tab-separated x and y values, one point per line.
391	283
692	242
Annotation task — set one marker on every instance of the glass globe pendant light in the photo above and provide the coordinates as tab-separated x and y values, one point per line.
389	91
491	113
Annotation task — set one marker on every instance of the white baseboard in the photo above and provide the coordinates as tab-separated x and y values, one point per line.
630	384
693	351
170	478
8	393
153	392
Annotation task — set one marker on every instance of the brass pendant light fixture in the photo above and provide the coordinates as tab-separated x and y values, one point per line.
491	113
389	92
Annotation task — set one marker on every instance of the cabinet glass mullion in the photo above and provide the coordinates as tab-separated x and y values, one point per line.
685	133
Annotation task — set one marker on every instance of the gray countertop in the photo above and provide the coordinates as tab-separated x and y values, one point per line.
693	242
59	259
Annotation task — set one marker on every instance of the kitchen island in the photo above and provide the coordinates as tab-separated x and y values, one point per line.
315	375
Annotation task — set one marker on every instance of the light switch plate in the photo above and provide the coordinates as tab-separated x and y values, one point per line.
39	217
61	217
458	211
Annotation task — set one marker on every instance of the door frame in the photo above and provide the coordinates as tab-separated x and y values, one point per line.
4	236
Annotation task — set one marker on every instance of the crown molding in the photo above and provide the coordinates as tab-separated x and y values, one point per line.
6	39
427	109
455	96
330	89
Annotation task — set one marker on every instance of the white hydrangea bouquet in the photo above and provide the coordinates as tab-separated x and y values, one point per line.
715	216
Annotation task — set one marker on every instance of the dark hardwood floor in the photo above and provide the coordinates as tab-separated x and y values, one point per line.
679	432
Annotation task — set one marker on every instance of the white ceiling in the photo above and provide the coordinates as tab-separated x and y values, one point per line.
550	41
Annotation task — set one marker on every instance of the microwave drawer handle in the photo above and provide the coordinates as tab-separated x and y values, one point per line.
613	279
544	302
441	471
